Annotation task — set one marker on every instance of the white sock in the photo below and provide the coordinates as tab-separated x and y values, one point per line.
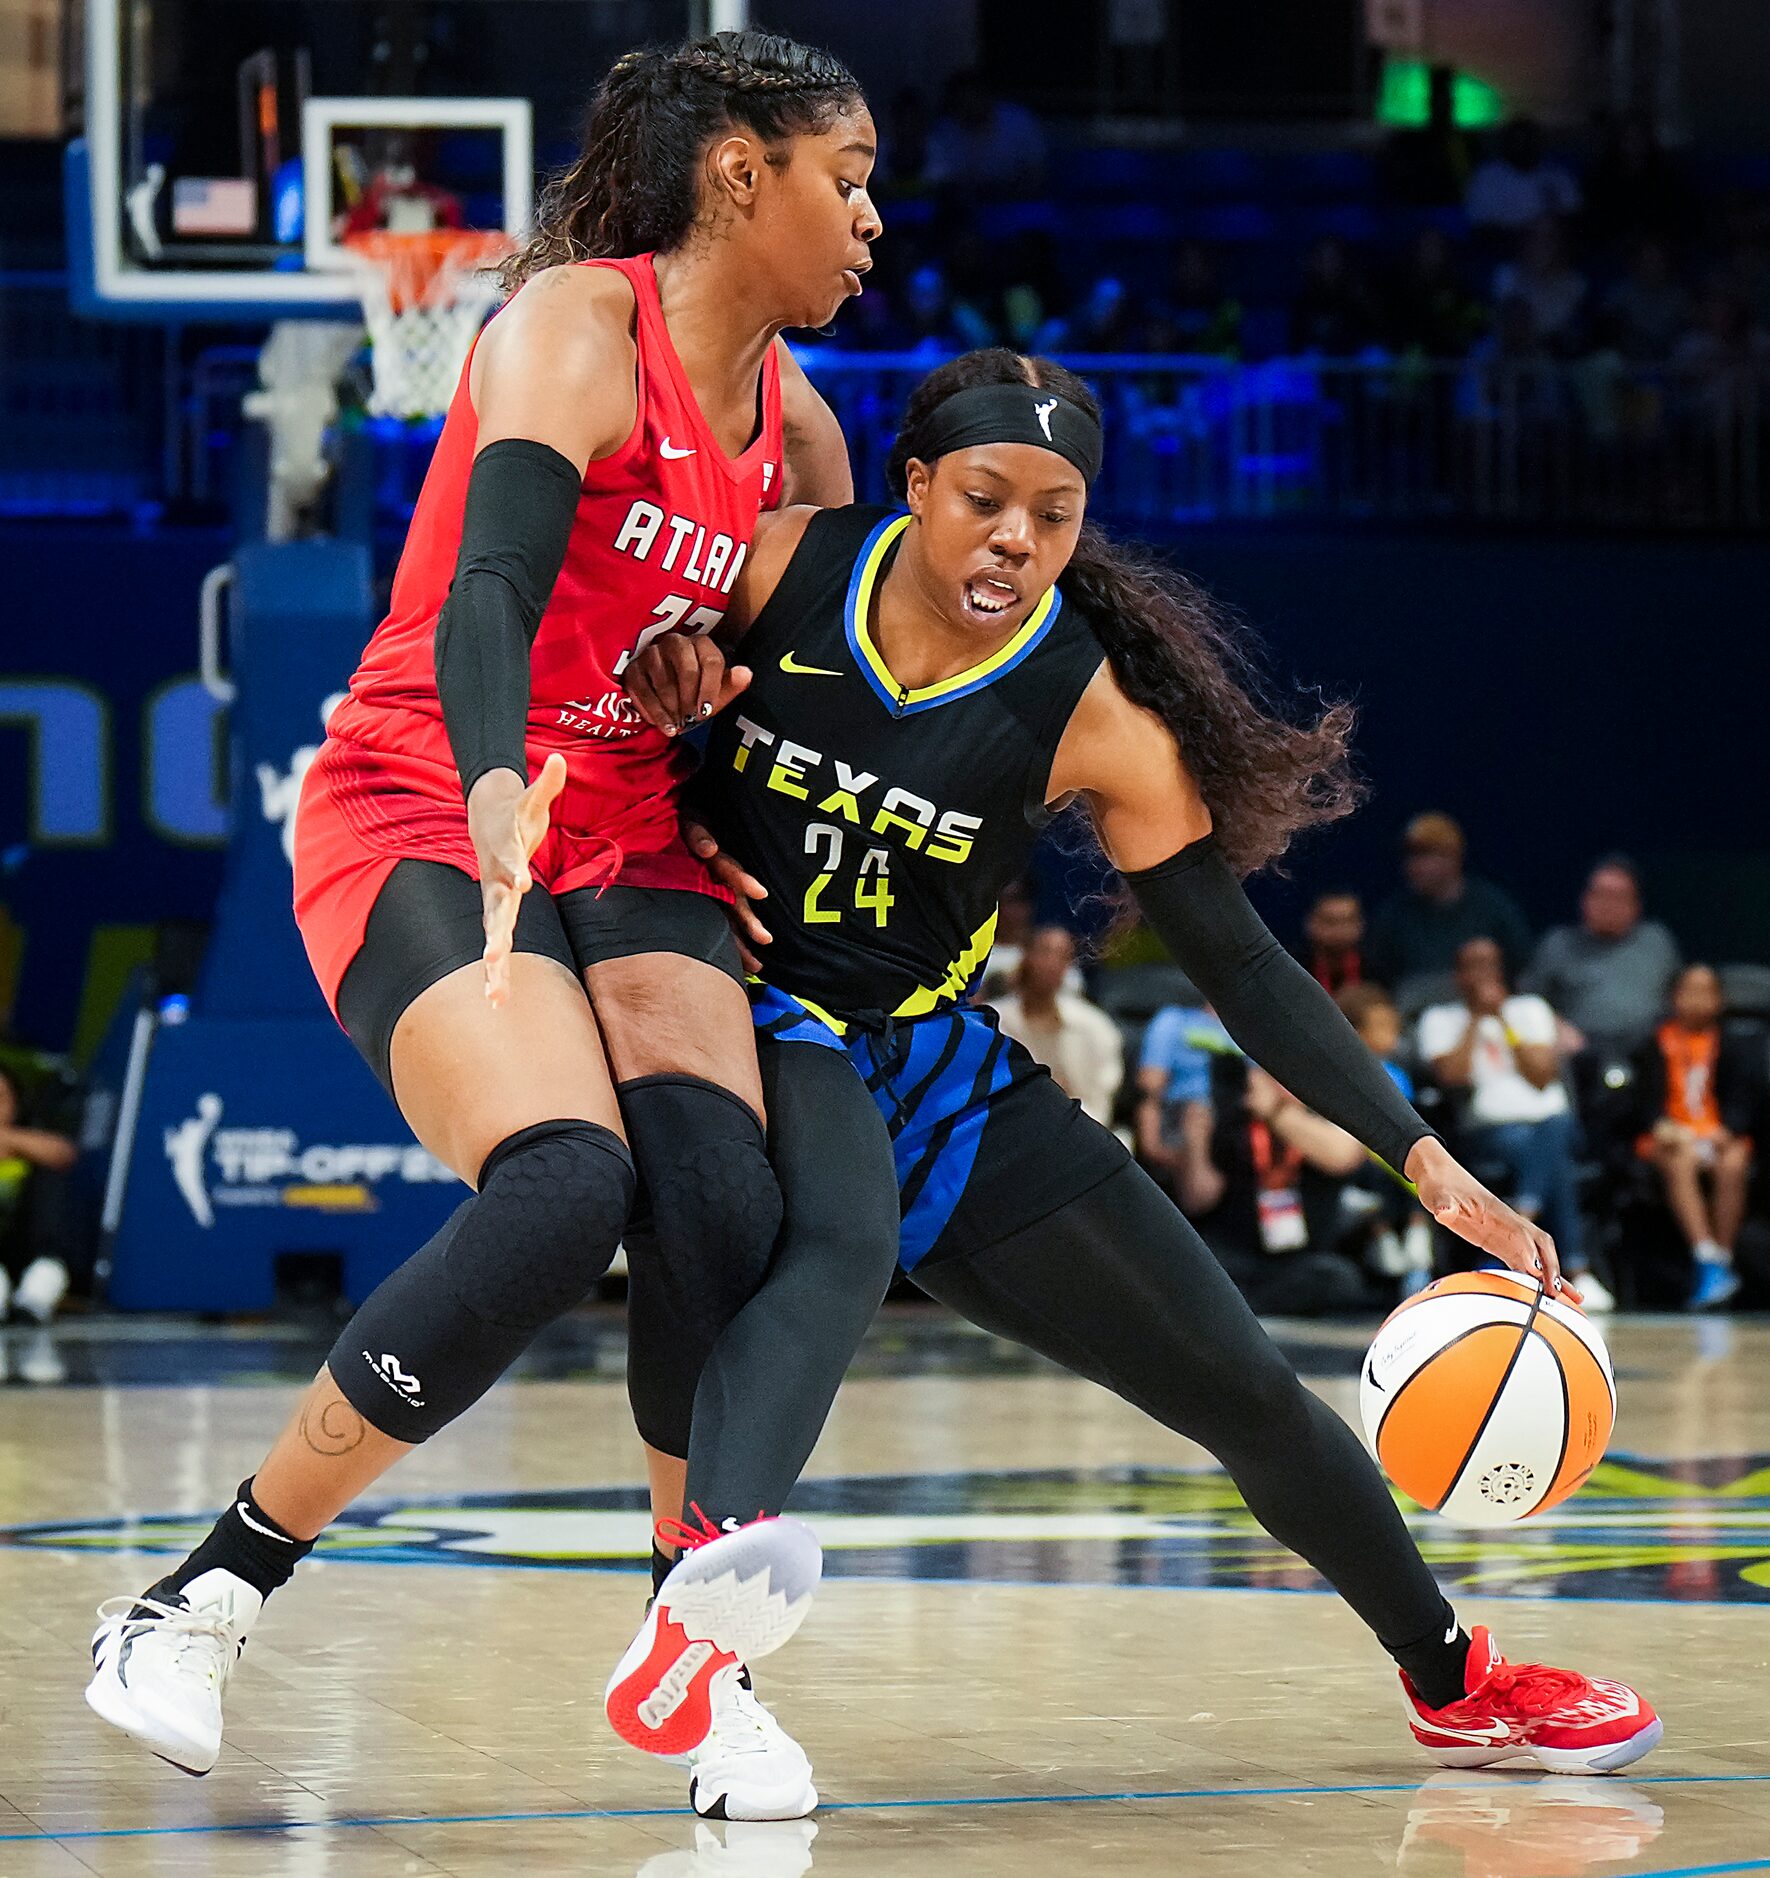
1707	1252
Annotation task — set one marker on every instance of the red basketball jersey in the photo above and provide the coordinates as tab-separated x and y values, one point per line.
663	527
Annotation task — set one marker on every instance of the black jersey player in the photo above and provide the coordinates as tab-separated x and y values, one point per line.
919	692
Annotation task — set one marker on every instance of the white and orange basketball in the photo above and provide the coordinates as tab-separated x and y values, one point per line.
1486	1400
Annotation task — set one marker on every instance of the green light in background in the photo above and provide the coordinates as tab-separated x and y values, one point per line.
1405	99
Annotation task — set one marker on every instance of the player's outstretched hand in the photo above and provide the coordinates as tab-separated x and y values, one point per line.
744	885
507	824
680	680
1459	1202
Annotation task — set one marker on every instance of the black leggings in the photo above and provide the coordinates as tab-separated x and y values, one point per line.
765	1387
1115	1286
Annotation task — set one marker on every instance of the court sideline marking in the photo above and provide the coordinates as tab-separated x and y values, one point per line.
879	1806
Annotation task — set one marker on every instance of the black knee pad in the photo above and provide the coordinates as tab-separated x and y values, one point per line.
542	1229
706	1187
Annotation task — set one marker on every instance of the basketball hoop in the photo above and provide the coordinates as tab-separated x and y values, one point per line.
424	298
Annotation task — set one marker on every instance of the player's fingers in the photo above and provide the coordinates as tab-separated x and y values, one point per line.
642	690
711	673
1548	1258
753	929
545	789
500	902
746	958
737	680
678	676
534	811
733	875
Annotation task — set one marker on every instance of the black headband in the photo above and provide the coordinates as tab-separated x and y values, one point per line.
1011	414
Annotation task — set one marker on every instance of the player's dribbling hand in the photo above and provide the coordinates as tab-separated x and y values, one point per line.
743	885
680	680
1459	1203
507	823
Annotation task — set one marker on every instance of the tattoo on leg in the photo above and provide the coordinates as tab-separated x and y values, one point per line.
331	1428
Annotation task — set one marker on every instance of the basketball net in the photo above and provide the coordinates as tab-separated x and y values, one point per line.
424	298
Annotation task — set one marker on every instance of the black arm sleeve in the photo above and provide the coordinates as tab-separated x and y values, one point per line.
522	499
1269	1004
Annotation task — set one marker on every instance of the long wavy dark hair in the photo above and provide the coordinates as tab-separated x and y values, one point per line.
635	187
1266	775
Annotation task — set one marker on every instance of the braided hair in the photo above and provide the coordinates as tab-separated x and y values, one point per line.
634	189
1265	775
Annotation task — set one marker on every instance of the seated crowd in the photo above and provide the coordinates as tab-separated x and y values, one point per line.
1594	1077
1504	255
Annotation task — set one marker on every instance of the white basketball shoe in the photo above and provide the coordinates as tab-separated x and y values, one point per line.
730	1598
161	1664
748	1767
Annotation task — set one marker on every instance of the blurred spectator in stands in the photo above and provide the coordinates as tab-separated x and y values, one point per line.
1371	1011
1014	925
1608	975
903	143
1519	184
984	144
926	317
1103	320
1333	938
1278	1171
1636	187
1697	1089
1174	1100
1074	1039
1649	310
37	1211
1419	929
1432	311
1429	168
1194	312
1401	1233
1545	278
1501	1049
1334	313
1723	361
1012	284
1511	376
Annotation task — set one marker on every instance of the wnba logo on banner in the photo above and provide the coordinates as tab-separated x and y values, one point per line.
279	791
215	1167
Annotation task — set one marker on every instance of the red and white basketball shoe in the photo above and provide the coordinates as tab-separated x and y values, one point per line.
731	1597
1561	1721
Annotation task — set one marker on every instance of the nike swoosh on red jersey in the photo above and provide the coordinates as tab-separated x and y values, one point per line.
667	448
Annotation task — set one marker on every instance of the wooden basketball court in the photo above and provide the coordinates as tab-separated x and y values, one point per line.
1050	1640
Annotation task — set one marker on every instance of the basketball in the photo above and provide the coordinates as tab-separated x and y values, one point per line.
1486	1400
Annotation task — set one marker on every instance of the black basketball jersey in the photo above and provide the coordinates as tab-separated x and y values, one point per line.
884	821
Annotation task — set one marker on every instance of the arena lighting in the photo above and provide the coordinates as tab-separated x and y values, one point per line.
1404	98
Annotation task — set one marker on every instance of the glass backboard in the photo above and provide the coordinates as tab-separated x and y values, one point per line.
231	144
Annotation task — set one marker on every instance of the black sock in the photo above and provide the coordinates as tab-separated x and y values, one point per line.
246	1541
1437	1663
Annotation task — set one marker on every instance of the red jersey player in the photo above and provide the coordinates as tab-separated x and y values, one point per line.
488	874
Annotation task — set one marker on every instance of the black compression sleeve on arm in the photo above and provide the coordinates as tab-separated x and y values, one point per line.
522	499
1268	1003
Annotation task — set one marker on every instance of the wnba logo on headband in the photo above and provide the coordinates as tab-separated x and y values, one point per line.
1011	414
